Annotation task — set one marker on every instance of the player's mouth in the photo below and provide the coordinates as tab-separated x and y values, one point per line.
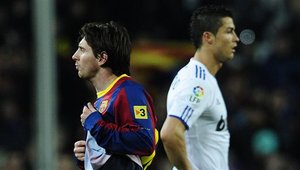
233	48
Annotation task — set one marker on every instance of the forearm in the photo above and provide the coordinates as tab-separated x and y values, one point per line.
173	139
176	152
124	140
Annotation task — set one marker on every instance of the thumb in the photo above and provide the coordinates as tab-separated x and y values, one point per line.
91	107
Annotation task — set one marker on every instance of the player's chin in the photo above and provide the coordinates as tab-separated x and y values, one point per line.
230	56
80	75
227	58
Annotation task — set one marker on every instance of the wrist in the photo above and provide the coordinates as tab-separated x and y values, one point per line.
91	120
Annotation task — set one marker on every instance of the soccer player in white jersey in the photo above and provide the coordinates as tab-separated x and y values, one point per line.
195	134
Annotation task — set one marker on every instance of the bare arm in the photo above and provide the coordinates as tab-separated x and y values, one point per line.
172	136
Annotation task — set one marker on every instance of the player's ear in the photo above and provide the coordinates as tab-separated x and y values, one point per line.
102	57
208	37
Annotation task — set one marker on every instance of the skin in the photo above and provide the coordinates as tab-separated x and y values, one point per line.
172	136
89	68
79	148
85	61
219	48
216	50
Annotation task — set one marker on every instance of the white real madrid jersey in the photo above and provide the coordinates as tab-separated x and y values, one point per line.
195	98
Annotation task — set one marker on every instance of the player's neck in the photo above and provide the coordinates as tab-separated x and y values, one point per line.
207	58
102	80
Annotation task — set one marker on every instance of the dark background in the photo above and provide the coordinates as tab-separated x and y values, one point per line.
260	86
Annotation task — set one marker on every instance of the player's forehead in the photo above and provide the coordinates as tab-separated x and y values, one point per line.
83	43
227	22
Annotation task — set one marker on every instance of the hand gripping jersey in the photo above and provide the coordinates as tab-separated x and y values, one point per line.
124	123
196	100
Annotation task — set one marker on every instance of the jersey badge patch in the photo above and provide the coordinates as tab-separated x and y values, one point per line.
140	112
198	93
103	106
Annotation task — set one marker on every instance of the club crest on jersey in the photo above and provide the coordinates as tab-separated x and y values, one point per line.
140	112
198	93
103	106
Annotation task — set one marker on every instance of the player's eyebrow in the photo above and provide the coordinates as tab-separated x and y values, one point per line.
230	29
81	47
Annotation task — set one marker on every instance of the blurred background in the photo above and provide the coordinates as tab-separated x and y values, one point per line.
260	86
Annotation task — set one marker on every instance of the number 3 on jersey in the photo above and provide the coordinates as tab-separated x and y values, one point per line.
140	112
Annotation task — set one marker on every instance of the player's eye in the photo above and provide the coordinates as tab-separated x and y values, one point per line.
81	49
230	30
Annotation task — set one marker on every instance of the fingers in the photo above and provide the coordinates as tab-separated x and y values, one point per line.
79	150
79	156
82	119
88	108
79	143
91	107
86	111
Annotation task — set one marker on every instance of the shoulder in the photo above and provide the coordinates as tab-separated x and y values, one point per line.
131	83
130	86
196	82
192	74
194	71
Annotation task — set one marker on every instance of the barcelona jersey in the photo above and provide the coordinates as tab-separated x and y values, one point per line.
124	123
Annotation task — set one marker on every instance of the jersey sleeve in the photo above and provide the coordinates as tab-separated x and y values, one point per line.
133	131
188	99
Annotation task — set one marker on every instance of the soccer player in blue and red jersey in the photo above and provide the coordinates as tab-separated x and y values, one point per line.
120	125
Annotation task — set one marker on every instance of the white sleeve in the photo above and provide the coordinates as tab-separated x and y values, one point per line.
188	99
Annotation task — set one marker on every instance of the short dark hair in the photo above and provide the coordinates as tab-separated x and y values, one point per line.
206	18
112	38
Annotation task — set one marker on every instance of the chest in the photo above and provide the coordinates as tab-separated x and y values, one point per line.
106	106
216	111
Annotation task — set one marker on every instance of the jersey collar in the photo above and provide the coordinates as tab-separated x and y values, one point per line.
101	93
